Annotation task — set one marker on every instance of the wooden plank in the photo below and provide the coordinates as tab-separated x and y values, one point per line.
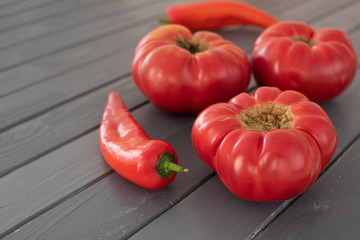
41	12
28	141
276	7
345	19
70	18
329	210
20	202
75	41
13	7
355	37
338	110
81	164
314	10
108	60
203	215
7	3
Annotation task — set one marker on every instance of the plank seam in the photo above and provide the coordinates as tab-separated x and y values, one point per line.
61	13
74	68
171	204
59	104
10	3
72	26
53	205
326	14
94	38
353	29
61	144
289	7
25	9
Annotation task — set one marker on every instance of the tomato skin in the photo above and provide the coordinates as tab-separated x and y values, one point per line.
178	81
321	70
265	166
267	172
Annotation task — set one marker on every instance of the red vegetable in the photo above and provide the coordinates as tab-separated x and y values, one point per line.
184	73
291	55
210	15
270	146
130	152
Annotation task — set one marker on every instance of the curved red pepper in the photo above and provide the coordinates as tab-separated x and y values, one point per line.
130	152
216	14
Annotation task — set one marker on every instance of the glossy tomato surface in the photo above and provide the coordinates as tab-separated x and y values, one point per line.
184	73
265	165
293	56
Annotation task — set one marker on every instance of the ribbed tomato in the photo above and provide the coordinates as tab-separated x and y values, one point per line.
269	146
292	56
184	73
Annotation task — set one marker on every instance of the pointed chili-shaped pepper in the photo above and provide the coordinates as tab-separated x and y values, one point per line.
209	15
129	150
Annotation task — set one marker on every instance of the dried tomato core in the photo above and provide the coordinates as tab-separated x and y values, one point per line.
267	116
192	46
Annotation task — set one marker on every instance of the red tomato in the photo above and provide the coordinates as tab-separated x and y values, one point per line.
291	55
269	146
184	73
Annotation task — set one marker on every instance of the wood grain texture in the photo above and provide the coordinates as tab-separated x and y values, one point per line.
66	190
111	62
38	186
38	31
314	10
345	18
24	143
14	7
328	210
344	119
203	215
40	12
71	48
355	37
113	207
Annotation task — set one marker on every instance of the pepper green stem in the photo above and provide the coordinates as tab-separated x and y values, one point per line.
166	166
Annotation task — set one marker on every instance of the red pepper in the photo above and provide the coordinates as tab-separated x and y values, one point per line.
216	14
130	152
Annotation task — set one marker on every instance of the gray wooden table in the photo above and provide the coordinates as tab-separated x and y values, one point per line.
59	60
